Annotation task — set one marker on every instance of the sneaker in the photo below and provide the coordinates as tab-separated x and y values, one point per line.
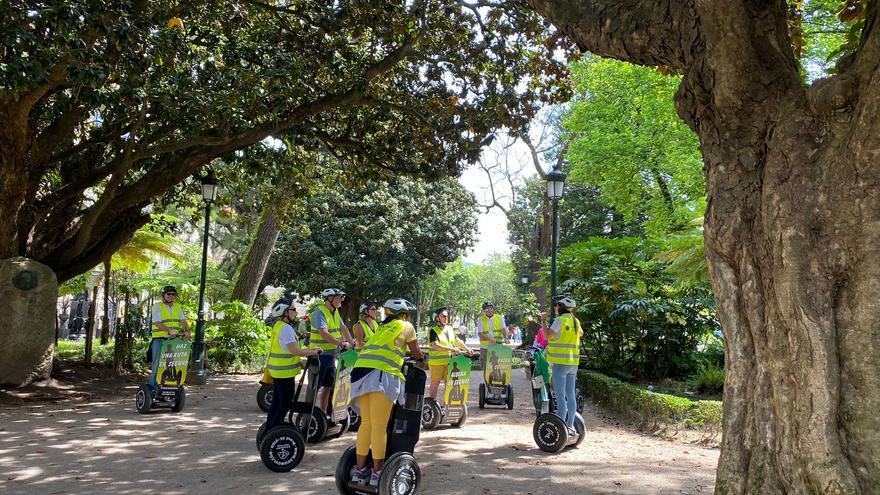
572	432
359	476
374	478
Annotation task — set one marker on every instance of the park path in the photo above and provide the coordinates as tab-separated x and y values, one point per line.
101	445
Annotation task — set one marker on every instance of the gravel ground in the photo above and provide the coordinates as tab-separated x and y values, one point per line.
90	439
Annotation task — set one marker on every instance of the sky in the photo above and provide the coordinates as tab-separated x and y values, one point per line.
492	233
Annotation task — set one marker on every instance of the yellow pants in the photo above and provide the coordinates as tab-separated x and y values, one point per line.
375	412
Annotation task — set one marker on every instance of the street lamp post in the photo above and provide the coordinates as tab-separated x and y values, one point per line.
210	187
555	187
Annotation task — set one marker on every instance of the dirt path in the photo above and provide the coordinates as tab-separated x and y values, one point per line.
101	445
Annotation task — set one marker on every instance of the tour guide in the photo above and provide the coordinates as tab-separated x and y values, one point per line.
284	360
328	334
490	328
377	382
168	321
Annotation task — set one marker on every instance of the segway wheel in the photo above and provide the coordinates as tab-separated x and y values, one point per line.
580	427
179	399
550	433
354	420
400	475
343	471
282	449
462	419
581	400
317	426
261	431
264	396
144	399
482	398
431	414
510	396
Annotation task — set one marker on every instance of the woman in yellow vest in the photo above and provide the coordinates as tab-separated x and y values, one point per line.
284	360
377	382
563	352
444	345
366	325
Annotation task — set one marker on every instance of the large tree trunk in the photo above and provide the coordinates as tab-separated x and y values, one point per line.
792	230
253	264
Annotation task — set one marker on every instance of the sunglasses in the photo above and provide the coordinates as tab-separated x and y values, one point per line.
171	293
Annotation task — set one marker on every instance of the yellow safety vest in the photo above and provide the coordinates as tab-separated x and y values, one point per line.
440	358
368	330
565	348
382	353
282	363
334	326
168	319
494	329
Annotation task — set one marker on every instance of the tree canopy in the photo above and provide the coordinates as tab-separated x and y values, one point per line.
377	240
111	105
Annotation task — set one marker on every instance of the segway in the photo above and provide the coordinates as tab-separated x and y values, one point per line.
496	389
336	421
170	392
454	412
282	448
537	371
400	474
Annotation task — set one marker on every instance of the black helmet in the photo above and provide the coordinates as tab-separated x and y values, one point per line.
169	288
487	305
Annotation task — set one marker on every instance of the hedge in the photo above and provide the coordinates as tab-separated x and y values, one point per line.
659	413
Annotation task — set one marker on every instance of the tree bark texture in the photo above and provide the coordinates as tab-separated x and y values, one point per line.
792	230
105	318
253	265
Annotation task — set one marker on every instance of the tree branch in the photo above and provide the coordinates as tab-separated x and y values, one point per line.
659	32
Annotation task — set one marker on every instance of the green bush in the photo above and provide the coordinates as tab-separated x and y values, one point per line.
239	340
657	412
75	350
709	379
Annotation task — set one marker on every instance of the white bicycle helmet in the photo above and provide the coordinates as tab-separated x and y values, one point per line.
566	301
398	305
326	293
281	306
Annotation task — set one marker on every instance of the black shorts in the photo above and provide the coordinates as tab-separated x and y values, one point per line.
327	374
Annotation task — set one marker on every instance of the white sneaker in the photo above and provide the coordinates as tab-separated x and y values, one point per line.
374	478
359	476
571	431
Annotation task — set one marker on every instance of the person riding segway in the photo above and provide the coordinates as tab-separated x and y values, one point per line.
555	431
282	446
389	394
362	331
446	347
496	359
169	356
328	333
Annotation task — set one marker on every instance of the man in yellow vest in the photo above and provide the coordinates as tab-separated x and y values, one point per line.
491	329
169	321
563	353
329	333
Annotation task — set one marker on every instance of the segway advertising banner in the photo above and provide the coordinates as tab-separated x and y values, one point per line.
342	390
173	362
458	379
496	372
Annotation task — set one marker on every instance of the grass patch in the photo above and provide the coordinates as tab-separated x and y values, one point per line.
659	413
